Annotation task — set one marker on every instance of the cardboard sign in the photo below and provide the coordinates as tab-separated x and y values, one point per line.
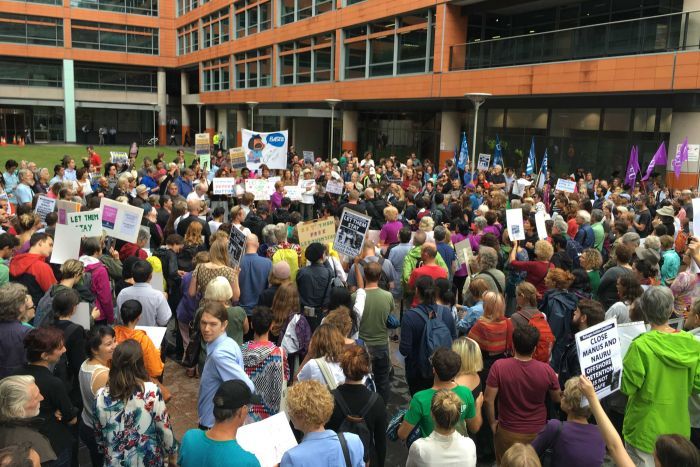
205	162
351	233
318	231
224	185
118	158
541	225
516	229
237	156
483	162
258	187
88	223
600	356
81	316
201	145
64	207
66	244
567	186
120	220
293	192
44	206
335	186
236	246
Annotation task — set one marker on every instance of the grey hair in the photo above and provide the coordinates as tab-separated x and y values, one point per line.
14	395
653	242
656	304
269	234
488	258
630	237
22	172
144	234
560	224
597	215
12	297
585	215
281	232
480	222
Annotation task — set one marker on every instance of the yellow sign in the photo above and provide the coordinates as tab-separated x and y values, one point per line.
319	231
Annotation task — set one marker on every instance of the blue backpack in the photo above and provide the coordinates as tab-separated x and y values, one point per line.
435	334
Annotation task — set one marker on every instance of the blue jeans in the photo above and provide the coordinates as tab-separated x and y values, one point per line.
381	366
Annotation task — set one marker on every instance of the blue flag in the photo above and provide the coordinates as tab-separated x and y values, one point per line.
463	153
531	163
497	153
543	170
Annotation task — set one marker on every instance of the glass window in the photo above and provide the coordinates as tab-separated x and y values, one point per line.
89	77
616	120
494	118
527	118
297	10
412	52
306	60
38	74
253	69
21	29
215	28
572	121
355	59
141	7
644	119
665	120
381	57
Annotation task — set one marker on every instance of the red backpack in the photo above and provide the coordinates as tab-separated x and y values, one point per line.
544	346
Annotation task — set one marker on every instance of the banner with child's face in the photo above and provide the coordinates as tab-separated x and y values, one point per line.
265	148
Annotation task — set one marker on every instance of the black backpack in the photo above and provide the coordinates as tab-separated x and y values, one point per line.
356	423
383	278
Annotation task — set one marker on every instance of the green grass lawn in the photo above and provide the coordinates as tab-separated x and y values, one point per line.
48	155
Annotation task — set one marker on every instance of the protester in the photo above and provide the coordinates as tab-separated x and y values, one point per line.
130	313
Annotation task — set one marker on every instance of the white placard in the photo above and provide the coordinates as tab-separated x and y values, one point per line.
120	220
519	186
514	219
265	148
65	207
224	185
693	152
157	281
44	206
600	357
483	162
335	186
627	333
236	246
118	158
696	218
66	244
258	187
81	316
308	157
567	186
293	192
156	333
464	251
541	225
88	223
268	439
351	233
271	184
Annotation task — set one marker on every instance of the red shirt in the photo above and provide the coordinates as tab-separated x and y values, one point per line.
536	272
522	389
95	159
431	270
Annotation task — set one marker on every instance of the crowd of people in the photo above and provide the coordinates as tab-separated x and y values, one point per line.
483	326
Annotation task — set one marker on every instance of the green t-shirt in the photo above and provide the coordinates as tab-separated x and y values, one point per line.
236	318
419	408
378	304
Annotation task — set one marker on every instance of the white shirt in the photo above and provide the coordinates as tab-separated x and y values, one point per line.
452	450
312	371
214	226
240	227
195	196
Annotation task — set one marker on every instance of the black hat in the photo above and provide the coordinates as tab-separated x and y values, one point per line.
252	139
234	394
314	252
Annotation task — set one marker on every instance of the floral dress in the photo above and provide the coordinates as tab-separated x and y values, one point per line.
134	433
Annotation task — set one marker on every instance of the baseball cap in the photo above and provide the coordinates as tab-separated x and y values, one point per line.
234	394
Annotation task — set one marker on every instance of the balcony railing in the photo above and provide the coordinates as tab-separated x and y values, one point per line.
654	34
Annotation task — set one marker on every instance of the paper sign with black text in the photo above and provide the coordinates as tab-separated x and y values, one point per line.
335	186
258	187
318	231
351	233
484	161
224	185
567	186
120	220
88	223
514	220
600	356
236	246
237	156
44	206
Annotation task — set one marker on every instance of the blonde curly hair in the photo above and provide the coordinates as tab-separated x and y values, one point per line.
309	404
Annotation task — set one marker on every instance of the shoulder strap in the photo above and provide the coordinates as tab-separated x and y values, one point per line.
556	435
341	403
365	410
495	281
326	372
346	451
521	314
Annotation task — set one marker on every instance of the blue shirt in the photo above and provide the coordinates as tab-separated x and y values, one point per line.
24	194
183	186
149	183
197	450
224	363
11	181
396	256
473	313
252	279
448	255
321	449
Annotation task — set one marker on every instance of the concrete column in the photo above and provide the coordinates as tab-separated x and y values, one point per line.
222	124
184	114
162	104
349	140
241	122
68	102
284	123
450	123
210	120
683	124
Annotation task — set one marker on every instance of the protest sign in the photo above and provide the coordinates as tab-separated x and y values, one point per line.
464	251
205	162
65	207
258	187
120	220
514	219
267	439
484	161
318	231
693	151
81	316
541	225
157	281
265	148
224	185
293	192
155	333
44	206
66	244
237	156
627	332
335	187
308	157
600	357
568	186
351	233
519	186
118	158
88	223
271	185
236	246
201	145
310	184
696	219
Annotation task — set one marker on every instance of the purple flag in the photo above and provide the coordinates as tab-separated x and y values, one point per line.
659	159
632	167
681	156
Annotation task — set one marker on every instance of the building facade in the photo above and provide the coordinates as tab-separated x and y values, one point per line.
586	79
